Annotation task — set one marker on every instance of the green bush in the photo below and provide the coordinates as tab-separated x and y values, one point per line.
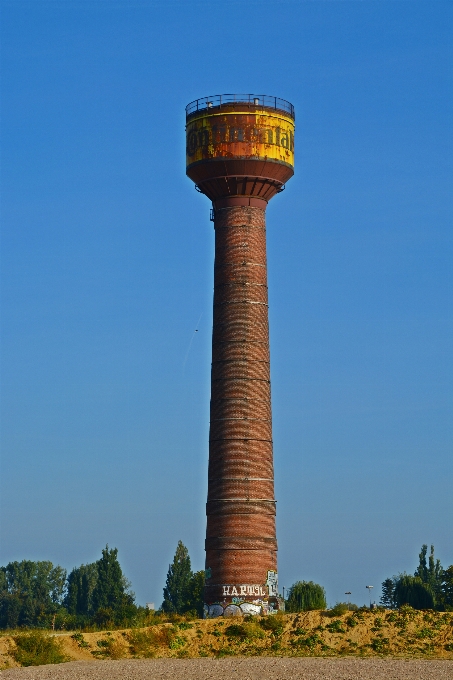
305	596
236	631
37	648
341	608
110	648
311	641
247	631
81	642
336	626
273	623
142	643
410	590
379	644
177	642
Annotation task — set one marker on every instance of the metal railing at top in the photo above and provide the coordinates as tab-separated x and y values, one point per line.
249	100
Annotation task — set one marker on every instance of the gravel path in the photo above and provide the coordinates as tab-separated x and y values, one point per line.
242	669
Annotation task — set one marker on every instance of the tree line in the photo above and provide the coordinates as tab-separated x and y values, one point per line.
39	594
431	586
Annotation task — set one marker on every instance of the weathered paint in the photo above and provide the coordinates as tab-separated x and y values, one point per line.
261	135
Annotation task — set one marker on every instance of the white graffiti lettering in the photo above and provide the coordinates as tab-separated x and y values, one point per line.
246	589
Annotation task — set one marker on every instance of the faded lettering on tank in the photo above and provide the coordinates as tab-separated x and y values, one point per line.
242	136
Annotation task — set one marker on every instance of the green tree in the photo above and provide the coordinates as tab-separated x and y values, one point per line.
195	590
112	588
81	583
305	596
388	593
447	588
412	591
10	610
179	576
31	592
430	573
36	580
422	569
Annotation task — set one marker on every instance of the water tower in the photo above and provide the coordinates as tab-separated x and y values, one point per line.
240	153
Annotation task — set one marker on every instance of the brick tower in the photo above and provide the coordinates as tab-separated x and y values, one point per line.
240	153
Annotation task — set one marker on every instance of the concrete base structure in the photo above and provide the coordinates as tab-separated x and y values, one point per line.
241	546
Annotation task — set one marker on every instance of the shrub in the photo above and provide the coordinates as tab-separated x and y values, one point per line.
273	623
225	651
142	643
336	627
176	642
37	648
110	649
340	609
379	644
311	641
254	630
184	625
81	642
236	631
305	596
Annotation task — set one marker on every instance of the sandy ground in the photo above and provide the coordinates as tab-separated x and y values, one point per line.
243	669
427	636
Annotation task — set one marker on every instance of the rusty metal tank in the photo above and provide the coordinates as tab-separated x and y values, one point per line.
240	153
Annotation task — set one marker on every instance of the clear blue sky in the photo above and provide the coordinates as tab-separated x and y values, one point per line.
107	266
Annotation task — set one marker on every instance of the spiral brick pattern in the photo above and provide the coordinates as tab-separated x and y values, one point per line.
240	539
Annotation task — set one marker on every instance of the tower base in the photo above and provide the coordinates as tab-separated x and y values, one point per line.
243	599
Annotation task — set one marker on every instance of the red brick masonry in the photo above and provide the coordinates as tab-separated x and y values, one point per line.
241	546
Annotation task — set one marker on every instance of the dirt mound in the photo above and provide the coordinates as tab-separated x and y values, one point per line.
405	633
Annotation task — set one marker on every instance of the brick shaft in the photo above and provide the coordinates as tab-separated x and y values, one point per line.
241	544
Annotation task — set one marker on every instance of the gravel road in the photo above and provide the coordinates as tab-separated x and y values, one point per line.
242	669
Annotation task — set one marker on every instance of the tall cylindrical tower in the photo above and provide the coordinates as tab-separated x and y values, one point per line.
240	153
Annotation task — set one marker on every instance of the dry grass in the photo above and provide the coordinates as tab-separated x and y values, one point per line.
404	634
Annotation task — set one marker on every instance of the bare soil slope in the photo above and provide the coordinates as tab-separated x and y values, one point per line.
407	634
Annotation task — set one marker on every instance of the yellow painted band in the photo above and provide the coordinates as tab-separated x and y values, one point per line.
241	135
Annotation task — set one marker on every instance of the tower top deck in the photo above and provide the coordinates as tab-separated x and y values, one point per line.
252	103
240	146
